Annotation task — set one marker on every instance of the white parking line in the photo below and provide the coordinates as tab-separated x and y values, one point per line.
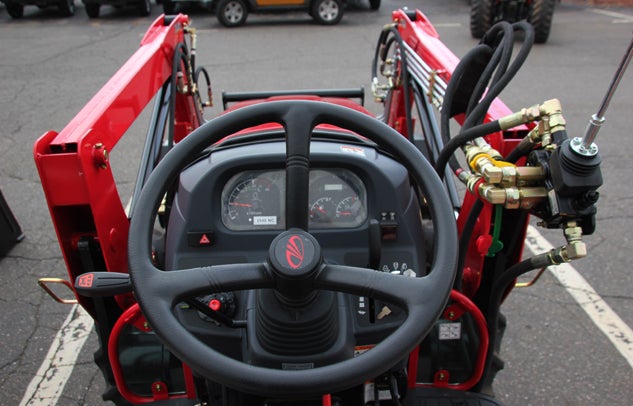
618	332
49	381
618	18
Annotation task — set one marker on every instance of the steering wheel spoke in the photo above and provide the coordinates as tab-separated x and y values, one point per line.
298	123
172	286
398	289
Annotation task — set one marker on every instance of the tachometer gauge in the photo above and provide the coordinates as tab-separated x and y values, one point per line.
253	200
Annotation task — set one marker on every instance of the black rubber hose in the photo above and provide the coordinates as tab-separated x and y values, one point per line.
496	295
382	49
196	78
522	149
497	65
180	55
498	85
464	240
451	89
501	36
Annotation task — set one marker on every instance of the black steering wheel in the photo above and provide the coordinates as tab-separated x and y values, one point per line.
422	299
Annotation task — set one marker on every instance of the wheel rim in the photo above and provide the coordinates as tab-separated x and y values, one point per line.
328	10
233	12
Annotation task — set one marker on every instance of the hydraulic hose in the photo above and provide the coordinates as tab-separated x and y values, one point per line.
462	138
522	149
499	39
385	41
464	240
180	55
480	51
497	292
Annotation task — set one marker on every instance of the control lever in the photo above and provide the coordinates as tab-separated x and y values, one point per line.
101	284
587	146
375	244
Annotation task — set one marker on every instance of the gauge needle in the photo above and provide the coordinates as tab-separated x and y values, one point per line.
320	209
240	204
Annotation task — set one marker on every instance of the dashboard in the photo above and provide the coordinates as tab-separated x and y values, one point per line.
230	204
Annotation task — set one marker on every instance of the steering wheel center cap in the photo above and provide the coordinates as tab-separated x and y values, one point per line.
294	254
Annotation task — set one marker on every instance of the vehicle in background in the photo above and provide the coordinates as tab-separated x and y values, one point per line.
233	13
15	8
93	7
485	13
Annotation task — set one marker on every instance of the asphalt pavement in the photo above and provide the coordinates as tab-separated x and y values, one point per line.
51	66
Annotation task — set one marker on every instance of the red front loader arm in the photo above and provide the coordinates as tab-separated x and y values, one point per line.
74	167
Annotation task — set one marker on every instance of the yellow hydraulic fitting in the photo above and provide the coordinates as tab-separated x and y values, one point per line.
473	151
487	163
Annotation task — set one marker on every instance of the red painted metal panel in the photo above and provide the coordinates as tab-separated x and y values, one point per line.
73	164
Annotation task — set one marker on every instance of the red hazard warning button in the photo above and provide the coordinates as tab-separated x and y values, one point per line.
200	238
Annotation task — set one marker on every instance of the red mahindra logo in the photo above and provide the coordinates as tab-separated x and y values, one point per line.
295	252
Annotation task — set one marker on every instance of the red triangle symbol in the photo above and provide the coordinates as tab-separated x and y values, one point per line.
204	240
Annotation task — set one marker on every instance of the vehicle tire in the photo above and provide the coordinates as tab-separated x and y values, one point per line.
374	4
232	13
15	10
144	8
540	16
92	9
67	8
168	7
327	12
481	17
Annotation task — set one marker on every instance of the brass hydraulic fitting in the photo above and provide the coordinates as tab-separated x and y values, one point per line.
553	109
551	120
525	115
568	253
512	197
498	172
575	248
528	175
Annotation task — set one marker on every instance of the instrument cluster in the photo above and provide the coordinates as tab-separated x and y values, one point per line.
255	200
